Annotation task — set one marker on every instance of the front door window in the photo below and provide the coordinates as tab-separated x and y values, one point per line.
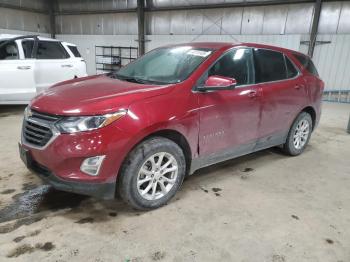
237	64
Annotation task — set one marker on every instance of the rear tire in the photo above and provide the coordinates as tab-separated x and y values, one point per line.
299	135
152	173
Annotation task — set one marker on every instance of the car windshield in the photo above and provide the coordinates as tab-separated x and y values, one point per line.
164	65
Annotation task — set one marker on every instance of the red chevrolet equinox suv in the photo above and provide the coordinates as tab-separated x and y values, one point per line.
139	131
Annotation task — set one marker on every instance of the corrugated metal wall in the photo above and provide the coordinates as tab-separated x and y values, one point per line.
86	5
245	21
107	24
333	61
13	19
283	19
34	4
24	21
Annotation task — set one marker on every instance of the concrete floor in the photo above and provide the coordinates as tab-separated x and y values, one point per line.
261	207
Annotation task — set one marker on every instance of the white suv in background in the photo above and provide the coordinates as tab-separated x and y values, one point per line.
30	64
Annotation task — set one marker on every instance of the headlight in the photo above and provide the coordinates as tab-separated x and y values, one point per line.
86	123
27	112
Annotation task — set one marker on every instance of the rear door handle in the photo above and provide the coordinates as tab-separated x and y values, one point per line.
66	65
24	67
298	86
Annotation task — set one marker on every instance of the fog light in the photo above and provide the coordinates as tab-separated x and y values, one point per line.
91	165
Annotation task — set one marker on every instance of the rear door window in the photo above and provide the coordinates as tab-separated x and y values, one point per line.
51	50
46	50
269	65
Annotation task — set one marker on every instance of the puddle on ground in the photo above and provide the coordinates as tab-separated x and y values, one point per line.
38	199
28	186
46	246
295	217
159	255
26	248
7	191
18	239
85	220
329	241
247	169
112	214
216	189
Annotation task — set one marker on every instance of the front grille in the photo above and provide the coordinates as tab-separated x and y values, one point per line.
37	129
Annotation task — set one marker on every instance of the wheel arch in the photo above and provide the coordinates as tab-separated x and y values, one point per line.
177	138
171	134
310	110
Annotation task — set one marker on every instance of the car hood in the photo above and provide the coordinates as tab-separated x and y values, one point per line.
93	95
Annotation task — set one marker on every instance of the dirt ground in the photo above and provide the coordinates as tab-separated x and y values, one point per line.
261	207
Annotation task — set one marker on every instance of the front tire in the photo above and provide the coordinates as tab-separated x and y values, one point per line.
152	173
299	135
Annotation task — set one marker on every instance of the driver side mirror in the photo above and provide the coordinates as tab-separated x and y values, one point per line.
215	82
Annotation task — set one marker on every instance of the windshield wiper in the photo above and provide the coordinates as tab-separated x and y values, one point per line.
135	79
157	82
127	78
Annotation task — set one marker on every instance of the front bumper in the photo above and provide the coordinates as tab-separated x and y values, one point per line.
64	153
98	190
58	162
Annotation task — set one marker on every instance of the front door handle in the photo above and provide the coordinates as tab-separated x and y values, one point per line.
66	65
298	86
253	94
24	67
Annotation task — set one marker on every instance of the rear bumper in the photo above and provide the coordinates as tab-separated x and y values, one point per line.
98	190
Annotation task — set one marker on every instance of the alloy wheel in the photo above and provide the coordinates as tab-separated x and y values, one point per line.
301	134
157	176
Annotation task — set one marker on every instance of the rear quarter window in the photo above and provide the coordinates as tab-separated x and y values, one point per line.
307	63
74	50
291	70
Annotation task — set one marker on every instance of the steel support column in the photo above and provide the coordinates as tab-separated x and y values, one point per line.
141	25
314	29
52	18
